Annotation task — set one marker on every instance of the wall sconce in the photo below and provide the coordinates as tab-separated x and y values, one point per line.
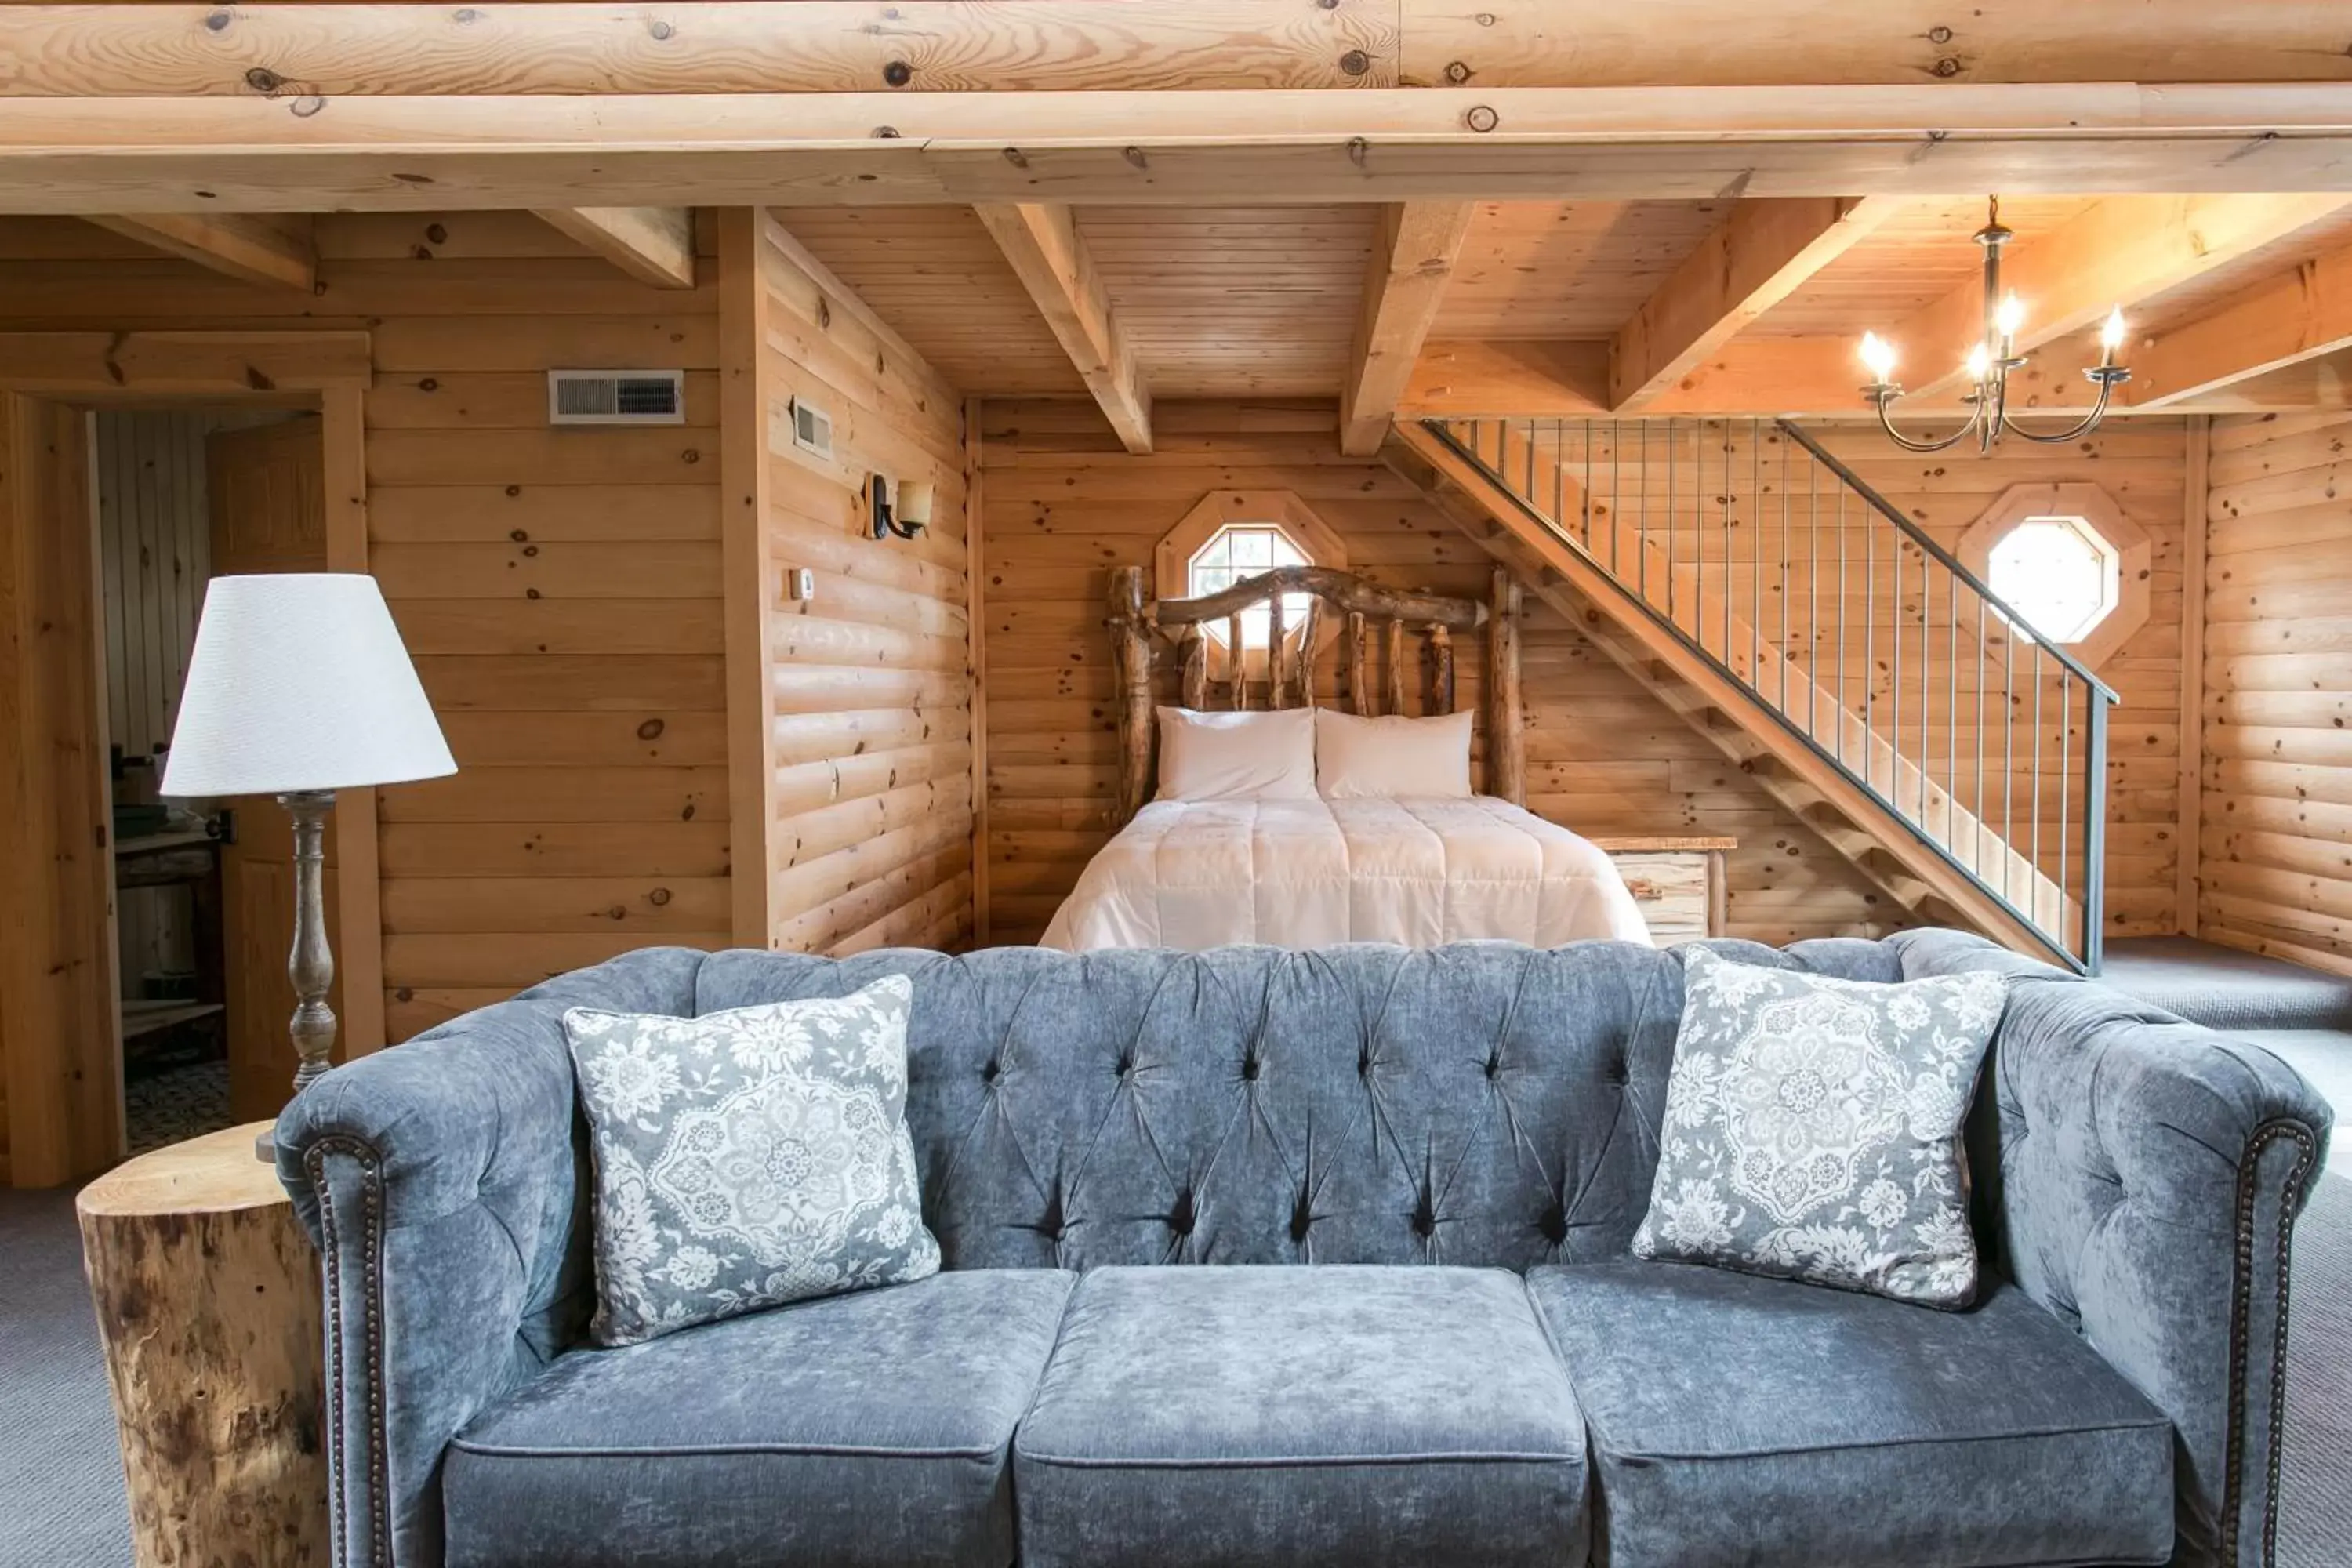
912	512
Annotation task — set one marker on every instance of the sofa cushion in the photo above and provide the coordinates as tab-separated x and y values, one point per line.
1741	1419
866	1429
1352	1416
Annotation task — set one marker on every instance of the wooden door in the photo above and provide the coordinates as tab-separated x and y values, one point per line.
266	495
59	1052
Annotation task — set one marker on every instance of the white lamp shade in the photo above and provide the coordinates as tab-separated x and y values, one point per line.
300	681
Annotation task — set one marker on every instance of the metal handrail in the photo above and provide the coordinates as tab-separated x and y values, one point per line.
1877	729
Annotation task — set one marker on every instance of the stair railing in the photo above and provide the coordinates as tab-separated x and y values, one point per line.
1847	626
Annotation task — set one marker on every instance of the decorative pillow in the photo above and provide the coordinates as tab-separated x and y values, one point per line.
1812	1128
1236	756
1392	756
749	1157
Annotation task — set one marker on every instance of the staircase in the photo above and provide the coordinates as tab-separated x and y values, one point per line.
1819	639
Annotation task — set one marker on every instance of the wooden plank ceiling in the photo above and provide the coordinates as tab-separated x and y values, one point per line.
1271	301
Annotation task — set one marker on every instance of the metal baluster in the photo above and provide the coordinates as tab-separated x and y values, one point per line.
1616	487
1813	591
2095	824
1952	697
1926	667
1531	491
1670	526
2036	866
1785	643
1841	618
1980	733
2007	749
2065	788
1755	527
1894	730
1588	486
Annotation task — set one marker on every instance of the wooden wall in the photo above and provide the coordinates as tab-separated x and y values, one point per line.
1717	487
559	589
863	690
2276	876
60	1110
1063	504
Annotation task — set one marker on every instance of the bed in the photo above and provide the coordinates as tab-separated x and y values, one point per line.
1309	872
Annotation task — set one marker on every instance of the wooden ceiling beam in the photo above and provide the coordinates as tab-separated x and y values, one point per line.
752	46
452	152
1041	240
254	248
2121	251
1412	260
1759	255
1817	377
2287	322
652	244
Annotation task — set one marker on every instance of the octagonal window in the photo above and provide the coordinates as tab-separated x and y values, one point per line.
2057	573
2068	562
1238	551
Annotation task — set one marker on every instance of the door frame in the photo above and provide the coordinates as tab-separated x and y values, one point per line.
326	371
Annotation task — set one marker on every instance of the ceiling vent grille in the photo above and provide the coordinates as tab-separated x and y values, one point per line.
616	396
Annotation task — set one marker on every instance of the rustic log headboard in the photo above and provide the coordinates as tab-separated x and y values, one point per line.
1367	613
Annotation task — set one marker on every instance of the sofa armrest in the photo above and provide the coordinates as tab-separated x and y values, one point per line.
2140	1175
445	1183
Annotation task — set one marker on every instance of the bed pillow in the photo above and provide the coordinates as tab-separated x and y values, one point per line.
1356	758
1813	1128
749	1157
1236	756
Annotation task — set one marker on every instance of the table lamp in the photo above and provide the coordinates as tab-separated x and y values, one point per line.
299	687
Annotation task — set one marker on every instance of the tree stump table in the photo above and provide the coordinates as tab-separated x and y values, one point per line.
207	1297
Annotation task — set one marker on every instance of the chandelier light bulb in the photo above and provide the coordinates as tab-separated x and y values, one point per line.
2010	316
2111	336
1979	364
1878	354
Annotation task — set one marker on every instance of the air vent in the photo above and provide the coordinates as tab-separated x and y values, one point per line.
616	396
812	428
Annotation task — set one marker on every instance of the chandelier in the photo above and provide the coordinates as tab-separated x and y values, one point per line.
1989	363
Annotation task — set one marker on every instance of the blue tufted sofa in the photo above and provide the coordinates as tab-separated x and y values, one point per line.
1525	1392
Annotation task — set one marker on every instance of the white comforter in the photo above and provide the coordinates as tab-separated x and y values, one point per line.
1309	873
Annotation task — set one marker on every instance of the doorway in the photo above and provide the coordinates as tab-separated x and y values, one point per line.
202	889
61	1104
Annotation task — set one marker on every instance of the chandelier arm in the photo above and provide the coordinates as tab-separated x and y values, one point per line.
1945	444
2081	427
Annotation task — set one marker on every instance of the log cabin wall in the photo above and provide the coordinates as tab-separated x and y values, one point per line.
2275	876
1723	494
1062	503
863	690
560	588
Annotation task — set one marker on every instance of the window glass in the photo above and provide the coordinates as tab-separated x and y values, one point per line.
1242	551
2057	573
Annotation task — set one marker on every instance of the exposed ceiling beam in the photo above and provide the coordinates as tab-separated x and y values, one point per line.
1041	240
2286	322
652	244
1759	255
250	152
1817	377
337	52
1412	260
2119	252
255	248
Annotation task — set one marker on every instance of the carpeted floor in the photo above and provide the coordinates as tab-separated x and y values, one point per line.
2223	988
64	1479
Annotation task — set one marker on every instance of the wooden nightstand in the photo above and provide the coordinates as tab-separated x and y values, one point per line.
1678	881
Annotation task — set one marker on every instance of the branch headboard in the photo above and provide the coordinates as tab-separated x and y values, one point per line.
1367	613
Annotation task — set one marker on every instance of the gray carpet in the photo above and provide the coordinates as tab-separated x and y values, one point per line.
2225	989
63	1472
64	1476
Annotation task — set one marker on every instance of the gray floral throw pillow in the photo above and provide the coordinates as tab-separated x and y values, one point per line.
1812	1128
748	1157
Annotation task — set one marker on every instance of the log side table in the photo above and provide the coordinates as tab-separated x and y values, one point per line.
207	1297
